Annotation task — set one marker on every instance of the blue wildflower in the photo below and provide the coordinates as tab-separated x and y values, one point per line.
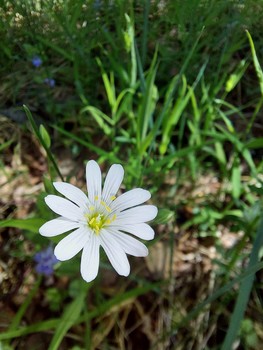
50	82
36	61
45	260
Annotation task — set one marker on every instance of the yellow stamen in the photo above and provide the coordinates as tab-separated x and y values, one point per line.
96	220
112	198
105	206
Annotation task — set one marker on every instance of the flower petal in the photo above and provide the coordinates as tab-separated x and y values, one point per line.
136	215
73	193
64	207
115	253
129	244
93	176
57	226
90	259
112	182
72	244
143	231
130	199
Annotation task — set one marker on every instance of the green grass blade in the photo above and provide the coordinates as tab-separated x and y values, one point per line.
178	110
147	106
108	84
68	319
131	38
250	271
236	179
152	135
100	118
6	144
107	155
21	311
244	292
256	62
37	327
104	307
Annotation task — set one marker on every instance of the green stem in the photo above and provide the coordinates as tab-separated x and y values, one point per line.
38	135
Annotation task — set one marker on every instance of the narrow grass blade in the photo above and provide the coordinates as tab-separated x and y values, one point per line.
147	106
67	320
131	36
250	272
6	144
37	327
149	141
104	307
21	311
100	118
256	62
108	84
244	292
89	145
236	179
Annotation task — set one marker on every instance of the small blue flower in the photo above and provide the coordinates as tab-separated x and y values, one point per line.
36	61
45	260
50	82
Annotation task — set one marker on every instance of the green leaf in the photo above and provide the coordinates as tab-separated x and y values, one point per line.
236	179
32	225
255	143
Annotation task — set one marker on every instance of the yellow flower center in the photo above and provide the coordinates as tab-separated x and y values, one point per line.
97	220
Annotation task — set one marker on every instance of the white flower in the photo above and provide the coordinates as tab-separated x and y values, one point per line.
100	219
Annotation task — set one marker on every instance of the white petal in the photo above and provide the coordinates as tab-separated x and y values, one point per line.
136	215
90	259
143	231
73	193
112	182
64	207
93	177
57	226
129	244
130	199
115	253
72	244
